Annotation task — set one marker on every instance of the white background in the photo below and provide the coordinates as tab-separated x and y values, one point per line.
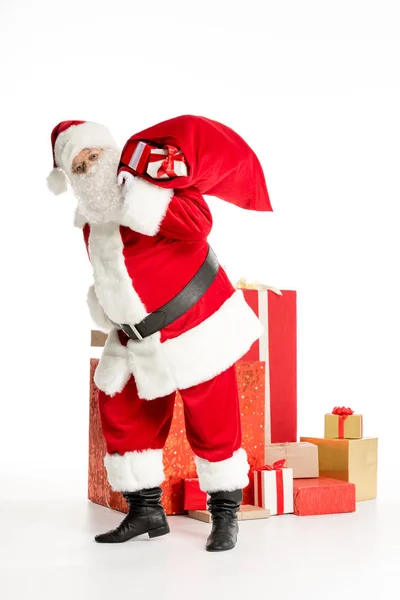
313	86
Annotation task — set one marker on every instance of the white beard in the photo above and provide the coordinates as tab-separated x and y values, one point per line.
98	193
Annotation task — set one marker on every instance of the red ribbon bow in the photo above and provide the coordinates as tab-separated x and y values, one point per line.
276	466
168	164
342	411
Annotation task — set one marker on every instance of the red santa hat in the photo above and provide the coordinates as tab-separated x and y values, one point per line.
217	161
69	138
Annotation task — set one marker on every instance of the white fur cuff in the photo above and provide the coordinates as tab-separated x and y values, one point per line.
145	205
96	311
225	475
134	471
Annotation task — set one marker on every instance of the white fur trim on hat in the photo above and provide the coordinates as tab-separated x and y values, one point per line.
57	182
77	137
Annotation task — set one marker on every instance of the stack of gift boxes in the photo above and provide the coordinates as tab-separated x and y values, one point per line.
320	475
313	476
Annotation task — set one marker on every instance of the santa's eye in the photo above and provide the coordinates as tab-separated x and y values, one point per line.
93	157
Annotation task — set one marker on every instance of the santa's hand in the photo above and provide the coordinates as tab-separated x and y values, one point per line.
126	179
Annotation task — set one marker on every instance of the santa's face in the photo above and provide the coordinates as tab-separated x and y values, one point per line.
94	184
85	160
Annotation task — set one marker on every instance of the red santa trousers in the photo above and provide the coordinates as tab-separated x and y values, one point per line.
136	430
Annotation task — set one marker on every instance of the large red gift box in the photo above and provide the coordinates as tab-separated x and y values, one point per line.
278	349
323	496
178	457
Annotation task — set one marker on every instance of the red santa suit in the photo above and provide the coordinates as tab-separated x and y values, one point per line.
142	262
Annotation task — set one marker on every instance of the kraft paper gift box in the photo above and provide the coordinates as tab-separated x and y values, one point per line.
195	498
342	423
323	496
246	513
273	488
302	457
98	339
277	348
178	457
355	461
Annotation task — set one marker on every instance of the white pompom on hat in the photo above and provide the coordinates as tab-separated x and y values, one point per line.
69	138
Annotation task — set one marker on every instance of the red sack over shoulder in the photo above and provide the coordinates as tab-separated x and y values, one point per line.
219	162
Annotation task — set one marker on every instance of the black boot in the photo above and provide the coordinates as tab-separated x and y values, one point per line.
146	515
223	507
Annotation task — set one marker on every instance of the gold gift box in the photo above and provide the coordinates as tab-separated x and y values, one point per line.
355	461
353	427
302	457
247	512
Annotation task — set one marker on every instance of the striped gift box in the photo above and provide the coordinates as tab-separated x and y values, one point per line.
274	490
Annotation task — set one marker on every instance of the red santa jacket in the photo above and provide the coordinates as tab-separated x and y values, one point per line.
143	262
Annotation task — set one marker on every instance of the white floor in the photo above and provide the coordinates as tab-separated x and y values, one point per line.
47	552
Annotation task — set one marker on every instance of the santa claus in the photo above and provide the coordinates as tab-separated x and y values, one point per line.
174	320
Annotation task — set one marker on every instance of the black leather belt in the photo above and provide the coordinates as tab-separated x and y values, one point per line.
179	305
